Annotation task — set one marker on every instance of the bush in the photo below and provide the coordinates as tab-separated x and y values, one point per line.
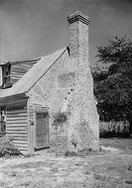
114	129
7	148
59	118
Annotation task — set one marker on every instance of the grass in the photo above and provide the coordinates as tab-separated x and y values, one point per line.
45	170
119	143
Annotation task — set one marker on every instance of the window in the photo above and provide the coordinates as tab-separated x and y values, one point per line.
6	70
2	120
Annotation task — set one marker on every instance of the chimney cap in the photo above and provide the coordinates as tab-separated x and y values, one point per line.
78	16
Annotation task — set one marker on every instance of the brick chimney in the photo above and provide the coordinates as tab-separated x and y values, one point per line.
79	35
84	119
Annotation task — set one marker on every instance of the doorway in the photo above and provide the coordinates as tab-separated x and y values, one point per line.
42	130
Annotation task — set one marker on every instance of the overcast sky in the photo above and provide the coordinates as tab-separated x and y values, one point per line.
33	28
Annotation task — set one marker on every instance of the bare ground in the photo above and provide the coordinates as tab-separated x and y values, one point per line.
110	168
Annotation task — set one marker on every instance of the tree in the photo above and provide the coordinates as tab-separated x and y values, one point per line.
113	84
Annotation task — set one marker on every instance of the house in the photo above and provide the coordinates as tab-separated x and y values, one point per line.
49	101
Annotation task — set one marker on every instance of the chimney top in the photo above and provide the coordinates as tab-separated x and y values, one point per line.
78	16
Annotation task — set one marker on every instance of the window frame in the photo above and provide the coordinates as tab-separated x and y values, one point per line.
7	78
2	120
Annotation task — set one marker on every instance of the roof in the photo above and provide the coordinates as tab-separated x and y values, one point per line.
33	75
17	62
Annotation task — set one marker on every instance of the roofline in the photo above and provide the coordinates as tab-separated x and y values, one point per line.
66	48
30	60
20	61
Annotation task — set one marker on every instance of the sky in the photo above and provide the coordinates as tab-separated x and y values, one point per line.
34	28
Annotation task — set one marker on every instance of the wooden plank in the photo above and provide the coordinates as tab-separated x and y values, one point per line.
16	112
16	131
16	119
17	134
18	115
15	77
21	134
16	123
17	71
20	142
20	139
22	66
14	80
16	128
16	74
22	145
24	115
24	110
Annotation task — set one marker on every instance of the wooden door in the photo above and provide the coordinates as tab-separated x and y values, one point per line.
42	130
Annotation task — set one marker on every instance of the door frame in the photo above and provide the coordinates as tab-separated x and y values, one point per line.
40	110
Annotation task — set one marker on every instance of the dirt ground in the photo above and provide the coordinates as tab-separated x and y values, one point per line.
110	168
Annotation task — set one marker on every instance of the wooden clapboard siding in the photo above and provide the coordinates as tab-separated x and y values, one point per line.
18	69
16	126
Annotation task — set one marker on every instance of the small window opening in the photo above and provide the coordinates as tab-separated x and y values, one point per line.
6	76
2	121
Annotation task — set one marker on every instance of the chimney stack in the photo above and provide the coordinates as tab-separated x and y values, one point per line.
84	119
79	35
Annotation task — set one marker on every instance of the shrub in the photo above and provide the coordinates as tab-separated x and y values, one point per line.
7	148
59	118
114	129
